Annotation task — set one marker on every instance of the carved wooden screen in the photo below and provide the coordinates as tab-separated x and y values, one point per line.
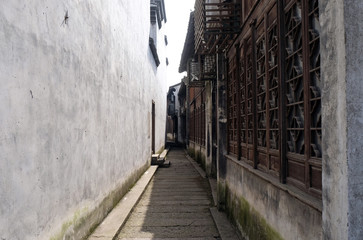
243	102
247	148
232	107
197	117
261	94
294	84
315	97
196	126
267	92
303	99
277	103
273	85
192	123
198	120
202	119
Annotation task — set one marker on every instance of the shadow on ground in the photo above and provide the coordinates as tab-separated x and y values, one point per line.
175	205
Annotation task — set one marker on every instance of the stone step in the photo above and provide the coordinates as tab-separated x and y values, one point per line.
154	159
159	159
163	154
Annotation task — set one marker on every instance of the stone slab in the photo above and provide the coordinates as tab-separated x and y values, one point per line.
213	186
170	232
172	215
225	228
152	221
110	226
164	153
174	206
197	167
170	208
204	238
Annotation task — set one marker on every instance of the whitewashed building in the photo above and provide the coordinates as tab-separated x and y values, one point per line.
82	92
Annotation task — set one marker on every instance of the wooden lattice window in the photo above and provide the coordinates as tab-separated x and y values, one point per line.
273	84
203	119
197	117
192	123
315	96
246	102
274	93
243	102
294	84
232	107
197	129
261	94
303	98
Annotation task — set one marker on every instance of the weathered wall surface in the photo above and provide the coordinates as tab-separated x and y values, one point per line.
261	210
209	131
198	153
342	107
354	47
75	108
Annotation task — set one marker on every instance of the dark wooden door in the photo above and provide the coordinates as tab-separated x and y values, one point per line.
153	127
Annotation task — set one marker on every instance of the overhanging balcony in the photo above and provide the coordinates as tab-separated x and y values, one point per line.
216	24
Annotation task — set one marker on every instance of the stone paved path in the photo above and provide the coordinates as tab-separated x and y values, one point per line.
175	205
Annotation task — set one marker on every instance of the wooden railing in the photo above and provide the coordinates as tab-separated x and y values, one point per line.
216	24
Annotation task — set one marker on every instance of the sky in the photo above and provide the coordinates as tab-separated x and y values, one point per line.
177	14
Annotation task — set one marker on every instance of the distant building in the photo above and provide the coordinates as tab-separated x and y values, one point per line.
274	98
176	115
172	114
83	92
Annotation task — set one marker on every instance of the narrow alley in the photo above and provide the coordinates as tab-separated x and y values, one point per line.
175	205
174	202
193	119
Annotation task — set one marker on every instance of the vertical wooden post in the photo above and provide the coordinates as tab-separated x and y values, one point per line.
254	91
238	101
306	80
282	90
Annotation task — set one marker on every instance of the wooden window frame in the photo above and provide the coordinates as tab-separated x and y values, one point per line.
271	149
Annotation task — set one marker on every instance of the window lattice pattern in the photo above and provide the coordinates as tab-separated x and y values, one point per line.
315	96
247	149
197	118
273	161
303	88
261	86
254	132
294	79
232	107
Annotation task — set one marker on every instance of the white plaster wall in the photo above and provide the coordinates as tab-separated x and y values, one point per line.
334	114
342	108
75	107
354	49
209	128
